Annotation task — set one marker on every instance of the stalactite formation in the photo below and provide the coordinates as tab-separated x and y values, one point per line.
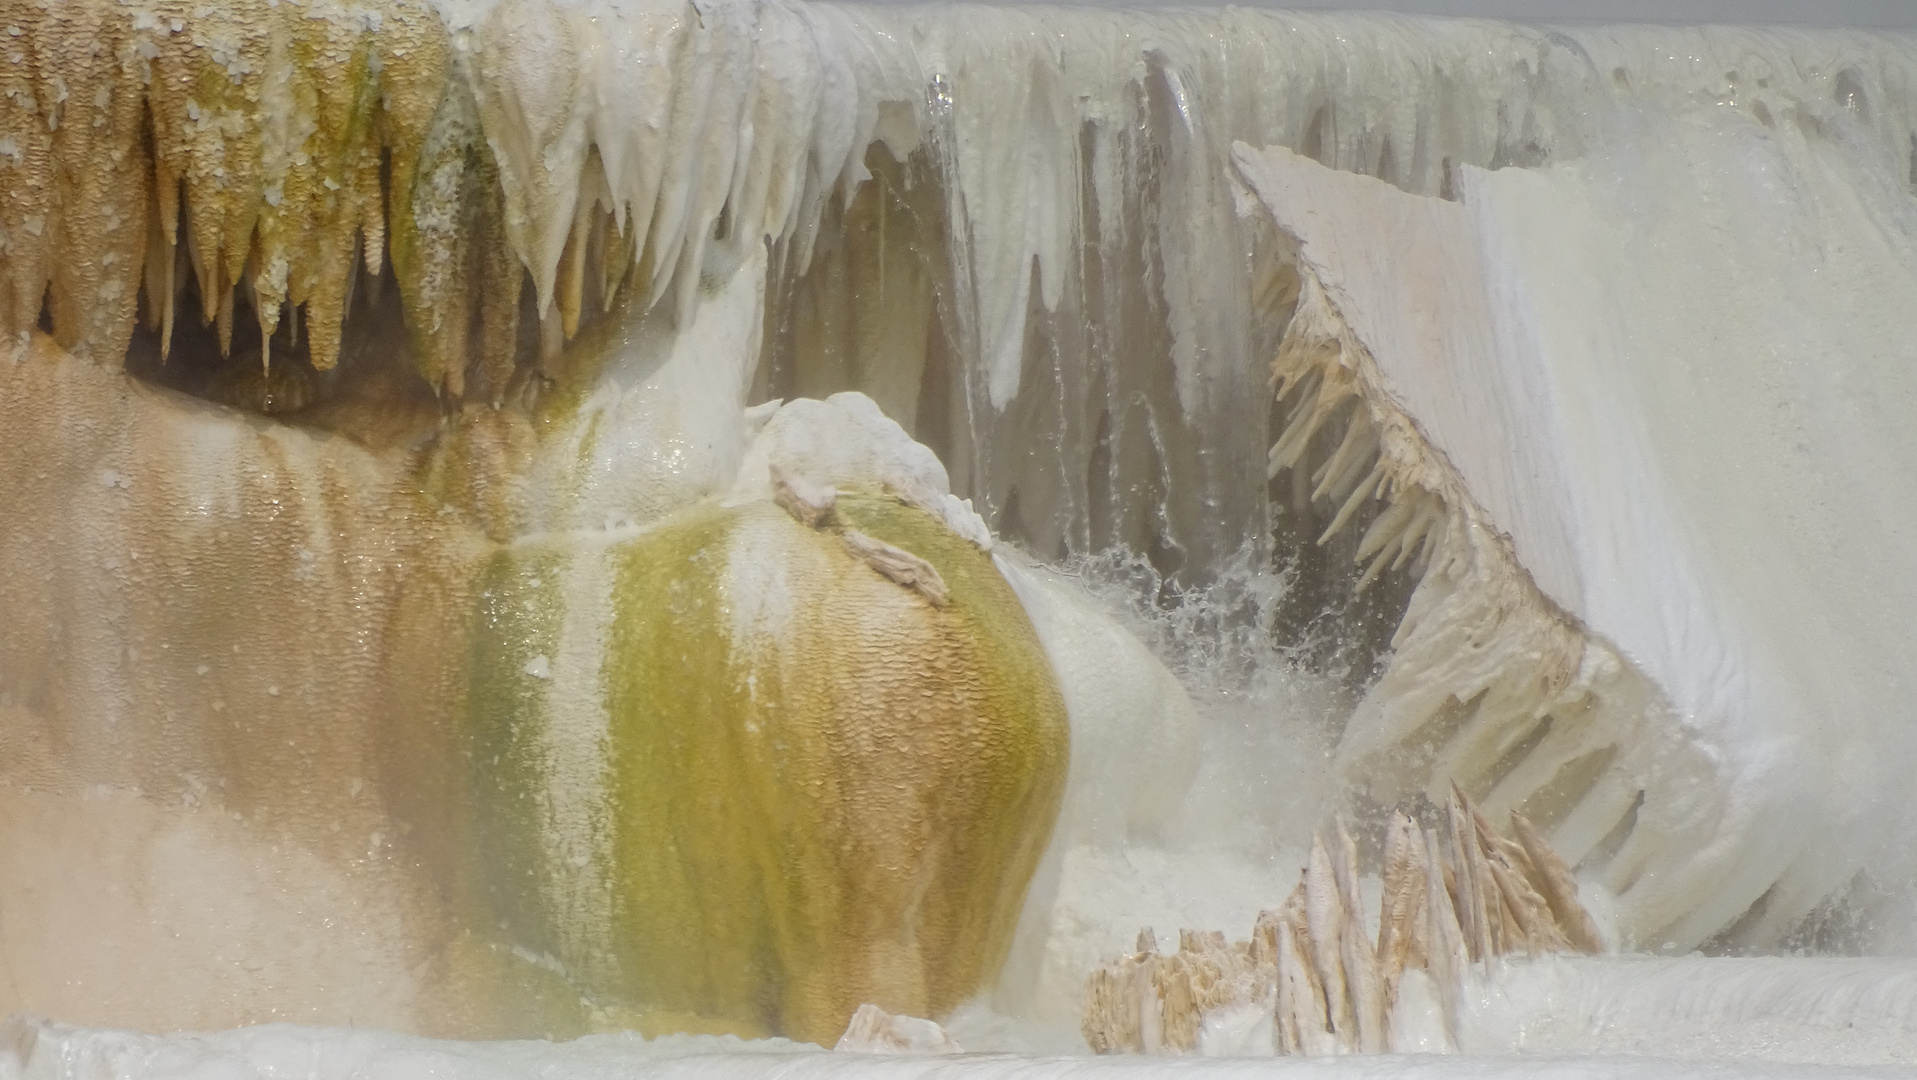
1313	967
270	156
1026	237
1475	615
1489	683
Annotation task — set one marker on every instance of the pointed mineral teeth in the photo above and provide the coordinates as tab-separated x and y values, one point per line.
323	179
91	76
1446	956
205	100
433	254
1311	1007
282	253
1358	497
1401	913
616	264
26	180
431	129
785	112
637	53
414	58
1178	1009
1325	919
570	284
1498	845
1341	478
223	322
1494	928
1386	527
1319	399
527	65
1288	995
1430	512
157	278
1560	889
1510	868
695	106
1302	1026
1501	929
502	280
167	268
1532	915
1297	918
1362	977
1472	913
1354	451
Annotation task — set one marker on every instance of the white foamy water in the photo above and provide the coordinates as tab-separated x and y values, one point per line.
1625	311
1677	1019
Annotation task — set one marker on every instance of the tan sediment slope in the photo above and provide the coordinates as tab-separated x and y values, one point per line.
203	742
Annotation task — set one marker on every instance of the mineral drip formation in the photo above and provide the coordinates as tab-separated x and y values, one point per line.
274	156
1082	231
1312	977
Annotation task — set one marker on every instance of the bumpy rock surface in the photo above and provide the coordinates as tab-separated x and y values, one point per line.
808	786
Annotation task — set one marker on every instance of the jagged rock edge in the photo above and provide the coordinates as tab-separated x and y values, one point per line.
484	192
1476	617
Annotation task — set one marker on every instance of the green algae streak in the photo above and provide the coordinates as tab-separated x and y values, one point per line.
842	806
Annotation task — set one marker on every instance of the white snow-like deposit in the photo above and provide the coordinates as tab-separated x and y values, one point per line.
1684	1019
1670	379
1644	288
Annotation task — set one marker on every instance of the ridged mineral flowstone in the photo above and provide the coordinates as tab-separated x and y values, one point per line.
811	787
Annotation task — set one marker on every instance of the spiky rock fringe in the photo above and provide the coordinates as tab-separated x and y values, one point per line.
1313	966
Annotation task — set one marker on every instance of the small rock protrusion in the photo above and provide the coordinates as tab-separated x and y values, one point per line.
875	1031
811	505
899	565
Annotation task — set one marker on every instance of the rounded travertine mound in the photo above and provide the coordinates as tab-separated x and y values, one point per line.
748	778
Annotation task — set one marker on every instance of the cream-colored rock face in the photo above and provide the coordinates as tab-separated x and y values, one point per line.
1607	632
499	273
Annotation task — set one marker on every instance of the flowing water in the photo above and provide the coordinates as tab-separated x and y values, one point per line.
1360	404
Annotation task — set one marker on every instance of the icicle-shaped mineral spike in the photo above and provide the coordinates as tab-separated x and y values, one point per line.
431	127
1401	915
433	244
1471	901
414	57
320	176
1447	958
1301	983
1560	889
205	100
1361	959
287	102
1325	920
1528	914
725	44
636	57
90	81
593	200
501	282
1288	994
26	179
157	279
527	73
